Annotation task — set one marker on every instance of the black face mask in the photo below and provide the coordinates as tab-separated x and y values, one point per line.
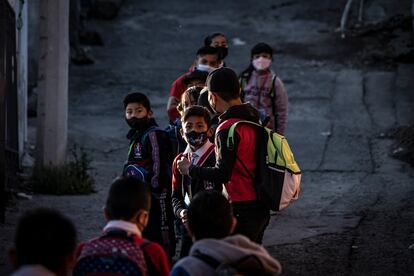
222	51
139	124
196	139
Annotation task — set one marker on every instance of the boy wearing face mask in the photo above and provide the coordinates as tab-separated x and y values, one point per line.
200	152
149	159
261	87
207	59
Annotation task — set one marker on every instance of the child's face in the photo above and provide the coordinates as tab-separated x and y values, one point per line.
219	41
196	132
195	123
210	60
136	110
263	55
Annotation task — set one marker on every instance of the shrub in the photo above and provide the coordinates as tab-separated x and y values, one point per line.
71	178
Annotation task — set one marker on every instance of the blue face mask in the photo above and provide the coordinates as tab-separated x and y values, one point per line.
205	68
196	139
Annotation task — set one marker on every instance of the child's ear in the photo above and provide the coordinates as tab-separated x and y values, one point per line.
182	132
233	225
210	132
142	219
105	211
150	113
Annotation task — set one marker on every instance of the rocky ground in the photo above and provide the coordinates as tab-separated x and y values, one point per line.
355	215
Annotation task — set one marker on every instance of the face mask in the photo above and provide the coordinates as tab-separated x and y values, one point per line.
205	68
138	123
261	63
223	51
196	139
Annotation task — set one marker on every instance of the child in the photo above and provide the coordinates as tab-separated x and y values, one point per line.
210	222
188	99
264	90
45	244
207	59
121	250
200	151
149	158
219	41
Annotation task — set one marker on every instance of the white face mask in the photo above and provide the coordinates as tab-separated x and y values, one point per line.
261	63
205	68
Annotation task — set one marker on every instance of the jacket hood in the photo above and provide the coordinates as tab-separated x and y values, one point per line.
234	248
243	111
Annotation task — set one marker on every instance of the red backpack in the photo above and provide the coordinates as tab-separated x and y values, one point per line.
114	253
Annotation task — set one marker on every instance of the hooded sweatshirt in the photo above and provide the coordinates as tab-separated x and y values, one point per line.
227	250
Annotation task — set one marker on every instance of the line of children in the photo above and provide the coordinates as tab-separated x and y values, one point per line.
149	178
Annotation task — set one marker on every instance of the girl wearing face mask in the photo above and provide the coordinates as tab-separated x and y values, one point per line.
264	89
219	41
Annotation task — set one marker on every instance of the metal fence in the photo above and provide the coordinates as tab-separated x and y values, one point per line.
9	156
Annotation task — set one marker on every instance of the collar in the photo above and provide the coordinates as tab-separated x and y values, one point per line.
124	225
200	151
29	270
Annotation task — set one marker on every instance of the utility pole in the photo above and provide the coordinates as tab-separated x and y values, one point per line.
52	108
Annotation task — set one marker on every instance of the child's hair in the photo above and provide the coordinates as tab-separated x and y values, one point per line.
190	95
209	39
137	98
261	48
197	111
126	197
210	215
203	100
46	237
207	50
224	82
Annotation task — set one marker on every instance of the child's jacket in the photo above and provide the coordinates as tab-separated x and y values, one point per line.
185	185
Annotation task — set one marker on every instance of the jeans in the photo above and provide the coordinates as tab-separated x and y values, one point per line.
252	219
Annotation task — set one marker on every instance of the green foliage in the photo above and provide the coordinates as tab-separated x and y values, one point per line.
69	179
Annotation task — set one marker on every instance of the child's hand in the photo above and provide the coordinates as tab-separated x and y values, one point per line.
183	216
183	165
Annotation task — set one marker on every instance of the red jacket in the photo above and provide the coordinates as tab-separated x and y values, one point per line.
228	168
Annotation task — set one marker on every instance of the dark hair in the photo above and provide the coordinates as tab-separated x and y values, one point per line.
197	111
210	215
137	98
46	237
207	50
126	197
209	39
191	92
261	48
224	82
203	100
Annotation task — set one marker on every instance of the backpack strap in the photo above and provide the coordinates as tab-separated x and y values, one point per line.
152	270
206	258
230	137
230	143
272	94
148	131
